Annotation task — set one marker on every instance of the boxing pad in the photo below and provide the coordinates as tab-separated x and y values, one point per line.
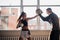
39	11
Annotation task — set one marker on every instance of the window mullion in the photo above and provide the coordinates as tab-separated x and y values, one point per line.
38	18
21	5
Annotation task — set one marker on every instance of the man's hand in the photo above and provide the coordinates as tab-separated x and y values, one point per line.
39	11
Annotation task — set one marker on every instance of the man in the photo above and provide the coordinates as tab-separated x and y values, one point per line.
52	18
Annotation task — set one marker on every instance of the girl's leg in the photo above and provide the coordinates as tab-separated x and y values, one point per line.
20	38
29	38
29	34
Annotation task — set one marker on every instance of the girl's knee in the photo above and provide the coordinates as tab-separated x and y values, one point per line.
29	38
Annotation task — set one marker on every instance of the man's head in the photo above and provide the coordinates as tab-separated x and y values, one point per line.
49	10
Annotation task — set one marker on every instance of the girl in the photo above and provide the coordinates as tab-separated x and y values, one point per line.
25	33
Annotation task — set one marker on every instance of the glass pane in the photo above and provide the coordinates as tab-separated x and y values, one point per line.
30	11
12	13
49	2
29	2
9	2
56	10
3	22
4	11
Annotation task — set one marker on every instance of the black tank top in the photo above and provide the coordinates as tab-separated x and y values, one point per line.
24	22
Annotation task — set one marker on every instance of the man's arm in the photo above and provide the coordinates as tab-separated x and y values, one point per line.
44	18
39	12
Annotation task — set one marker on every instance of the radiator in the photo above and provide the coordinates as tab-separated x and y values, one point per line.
14	35
32	38
9	38
40	38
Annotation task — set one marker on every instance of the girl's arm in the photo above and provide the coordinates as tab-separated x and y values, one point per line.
32	17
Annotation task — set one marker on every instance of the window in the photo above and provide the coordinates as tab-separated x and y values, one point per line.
3	22
53	4
49	2
13	9
29	2
10	14
9	2
30	11
56	10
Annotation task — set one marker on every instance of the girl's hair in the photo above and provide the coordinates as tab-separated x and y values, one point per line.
21	16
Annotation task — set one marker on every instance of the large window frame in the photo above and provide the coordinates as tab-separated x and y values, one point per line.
37	6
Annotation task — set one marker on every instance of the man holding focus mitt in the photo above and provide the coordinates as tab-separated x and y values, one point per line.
52	18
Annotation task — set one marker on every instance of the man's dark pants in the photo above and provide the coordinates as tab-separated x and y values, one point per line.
54	35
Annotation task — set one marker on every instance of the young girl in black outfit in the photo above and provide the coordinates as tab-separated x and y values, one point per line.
23	20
